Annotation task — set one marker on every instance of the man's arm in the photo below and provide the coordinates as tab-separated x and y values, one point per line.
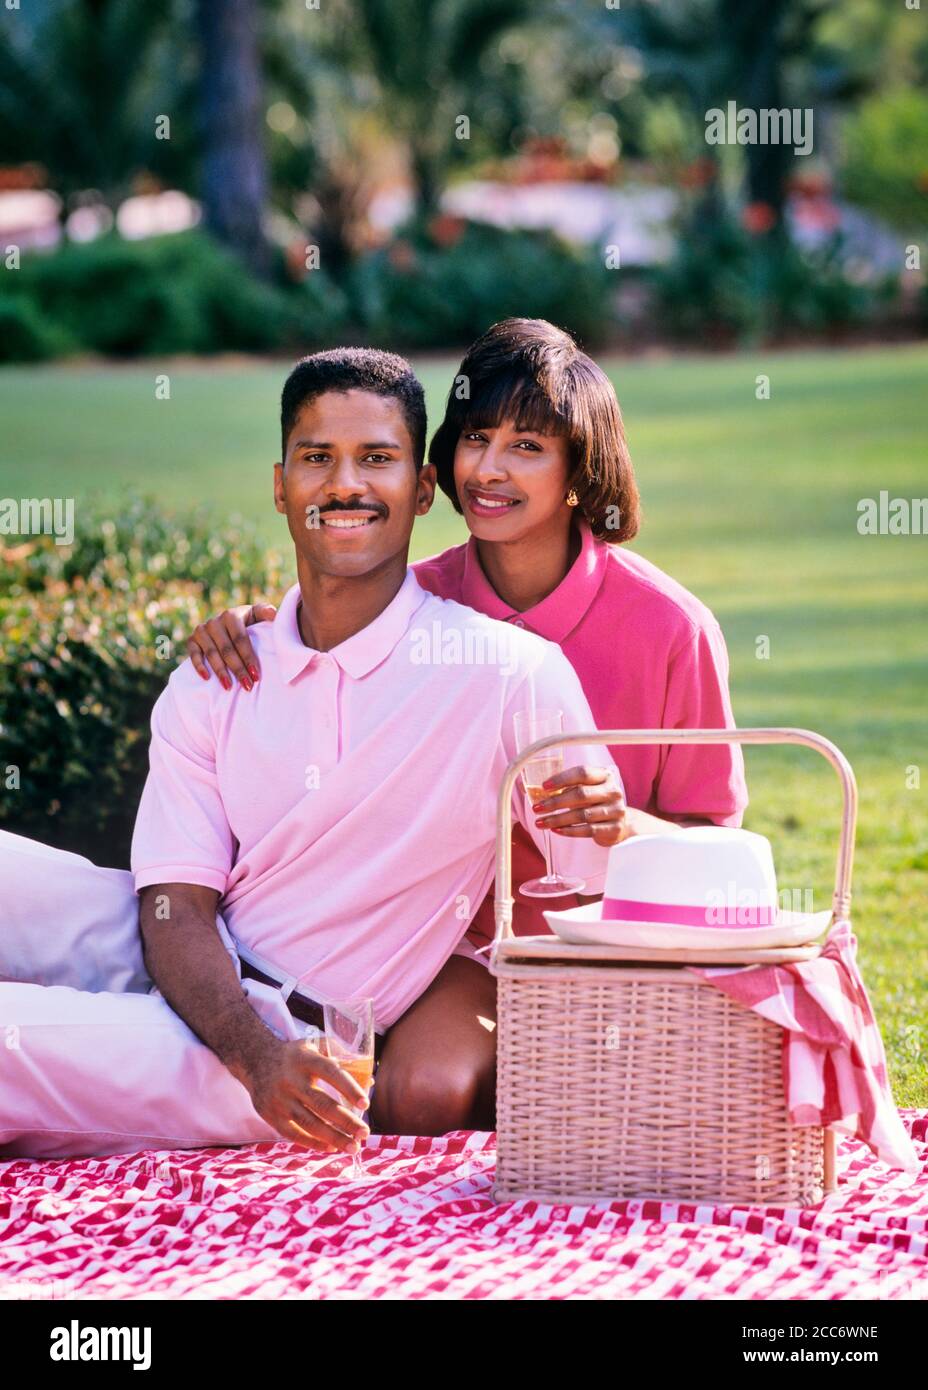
186	958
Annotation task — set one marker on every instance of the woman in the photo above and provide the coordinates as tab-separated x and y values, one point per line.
532	453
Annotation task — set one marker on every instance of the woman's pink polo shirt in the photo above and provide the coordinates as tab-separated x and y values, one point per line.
649	654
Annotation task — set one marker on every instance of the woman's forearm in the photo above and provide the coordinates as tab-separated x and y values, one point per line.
643	823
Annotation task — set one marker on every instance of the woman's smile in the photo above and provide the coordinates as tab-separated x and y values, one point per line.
483	502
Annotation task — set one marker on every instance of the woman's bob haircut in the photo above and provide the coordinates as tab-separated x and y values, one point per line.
528	371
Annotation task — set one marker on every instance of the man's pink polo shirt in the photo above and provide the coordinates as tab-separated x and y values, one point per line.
649	654
345	808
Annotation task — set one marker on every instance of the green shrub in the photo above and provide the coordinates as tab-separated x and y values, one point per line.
88	637
827	290
170	294
418	294
26	335
706	290
726	284
113	546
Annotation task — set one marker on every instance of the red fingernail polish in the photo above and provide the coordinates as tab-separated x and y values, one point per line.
253	672
246	683
204	675
226	683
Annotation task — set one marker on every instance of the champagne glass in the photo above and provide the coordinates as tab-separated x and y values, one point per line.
532	725
349	1041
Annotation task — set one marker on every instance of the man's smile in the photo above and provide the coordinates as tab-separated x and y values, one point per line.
349	518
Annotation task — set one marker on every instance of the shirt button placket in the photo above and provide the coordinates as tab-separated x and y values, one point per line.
329	730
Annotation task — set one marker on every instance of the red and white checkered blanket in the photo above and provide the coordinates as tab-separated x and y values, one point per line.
271	1221
834	1065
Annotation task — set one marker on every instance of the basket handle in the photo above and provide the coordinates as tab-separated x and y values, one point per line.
841	903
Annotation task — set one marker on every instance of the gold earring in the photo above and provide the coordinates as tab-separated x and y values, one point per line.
572	499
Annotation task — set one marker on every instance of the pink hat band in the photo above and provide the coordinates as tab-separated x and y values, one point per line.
688	914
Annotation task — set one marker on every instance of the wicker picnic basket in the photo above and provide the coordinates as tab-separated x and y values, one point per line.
622	1074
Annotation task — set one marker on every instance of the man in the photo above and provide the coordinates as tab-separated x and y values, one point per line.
342	817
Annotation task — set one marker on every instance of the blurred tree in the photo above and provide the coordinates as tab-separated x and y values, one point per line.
82	85
84	82
818	54
305	110
233	165
700	54
754	77
886	159
427	58
684	61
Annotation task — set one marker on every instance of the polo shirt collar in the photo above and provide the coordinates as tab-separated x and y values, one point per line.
556	616
357	655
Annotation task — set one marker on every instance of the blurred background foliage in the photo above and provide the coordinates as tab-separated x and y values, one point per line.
89	633
405	169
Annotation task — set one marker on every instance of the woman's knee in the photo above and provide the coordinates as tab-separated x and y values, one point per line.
432	1098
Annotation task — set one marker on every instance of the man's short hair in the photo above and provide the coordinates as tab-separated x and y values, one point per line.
356	369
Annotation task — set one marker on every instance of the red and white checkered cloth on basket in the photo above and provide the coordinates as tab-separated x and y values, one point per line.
834	1066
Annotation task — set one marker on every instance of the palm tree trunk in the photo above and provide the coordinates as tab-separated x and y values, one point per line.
756	69
425	169
234	173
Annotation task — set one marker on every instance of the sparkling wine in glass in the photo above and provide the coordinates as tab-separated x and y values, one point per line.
349	1041
530	726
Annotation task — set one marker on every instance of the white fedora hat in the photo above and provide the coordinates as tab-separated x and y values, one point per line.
704	887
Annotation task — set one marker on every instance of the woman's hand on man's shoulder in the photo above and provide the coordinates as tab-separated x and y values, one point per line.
221	645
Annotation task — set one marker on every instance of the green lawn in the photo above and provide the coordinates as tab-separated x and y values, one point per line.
752	504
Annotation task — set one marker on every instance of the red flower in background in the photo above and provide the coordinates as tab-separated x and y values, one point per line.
758	218
146	185
295	260
446	229
699	173
812	185
13	178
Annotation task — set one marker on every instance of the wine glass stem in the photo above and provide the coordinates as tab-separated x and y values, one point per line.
357	1167
550	876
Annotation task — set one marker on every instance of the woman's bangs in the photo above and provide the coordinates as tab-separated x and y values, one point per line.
511	397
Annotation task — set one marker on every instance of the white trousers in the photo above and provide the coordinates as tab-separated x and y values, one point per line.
93	1061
